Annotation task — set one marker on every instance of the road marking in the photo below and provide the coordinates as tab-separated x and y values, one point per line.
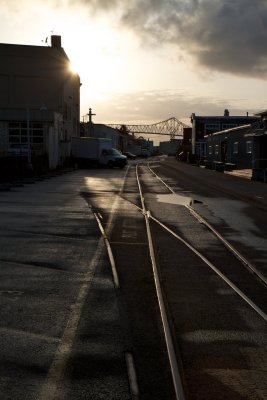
51	387
109	227
132	376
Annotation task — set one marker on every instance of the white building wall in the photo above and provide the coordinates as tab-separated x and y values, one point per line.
103	131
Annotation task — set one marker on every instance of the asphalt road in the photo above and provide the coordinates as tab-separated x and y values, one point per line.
60	333
236	207
221	340
66	330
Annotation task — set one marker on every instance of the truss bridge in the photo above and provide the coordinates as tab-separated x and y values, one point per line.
171	127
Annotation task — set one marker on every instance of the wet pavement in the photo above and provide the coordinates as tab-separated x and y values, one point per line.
65	330
59	311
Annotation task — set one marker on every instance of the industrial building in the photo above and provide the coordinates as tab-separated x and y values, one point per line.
206	125
170	147
119	137
39	102
241	147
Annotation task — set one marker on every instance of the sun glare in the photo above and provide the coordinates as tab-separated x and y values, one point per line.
74	68
95	55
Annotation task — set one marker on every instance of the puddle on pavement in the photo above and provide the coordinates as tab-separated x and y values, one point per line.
174	199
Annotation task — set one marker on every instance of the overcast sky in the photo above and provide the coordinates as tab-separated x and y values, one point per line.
143	61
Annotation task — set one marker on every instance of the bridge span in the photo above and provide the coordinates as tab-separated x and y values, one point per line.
171	127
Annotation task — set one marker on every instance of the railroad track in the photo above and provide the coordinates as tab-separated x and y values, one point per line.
251	268
232	290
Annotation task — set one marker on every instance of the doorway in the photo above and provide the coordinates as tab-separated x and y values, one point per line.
224	151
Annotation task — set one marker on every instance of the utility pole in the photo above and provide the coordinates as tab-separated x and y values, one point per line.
90	115
91	128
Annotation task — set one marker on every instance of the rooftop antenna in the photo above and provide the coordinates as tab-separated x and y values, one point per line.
45	41
47	37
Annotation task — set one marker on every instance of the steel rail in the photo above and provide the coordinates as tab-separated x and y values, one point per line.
130	364
212	266
110	253
250	267
167	332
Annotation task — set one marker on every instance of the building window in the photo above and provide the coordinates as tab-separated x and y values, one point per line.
210	150
249	146
216	149
235	148
18	133
211	128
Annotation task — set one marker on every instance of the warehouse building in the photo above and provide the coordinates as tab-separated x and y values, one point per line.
243	147
39	102
207	125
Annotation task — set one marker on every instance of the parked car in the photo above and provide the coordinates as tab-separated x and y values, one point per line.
130	155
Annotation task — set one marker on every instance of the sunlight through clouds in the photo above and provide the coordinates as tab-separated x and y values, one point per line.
125	50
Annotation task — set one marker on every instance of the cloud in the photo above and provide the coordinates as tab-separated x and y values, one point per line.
147	107
222	35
